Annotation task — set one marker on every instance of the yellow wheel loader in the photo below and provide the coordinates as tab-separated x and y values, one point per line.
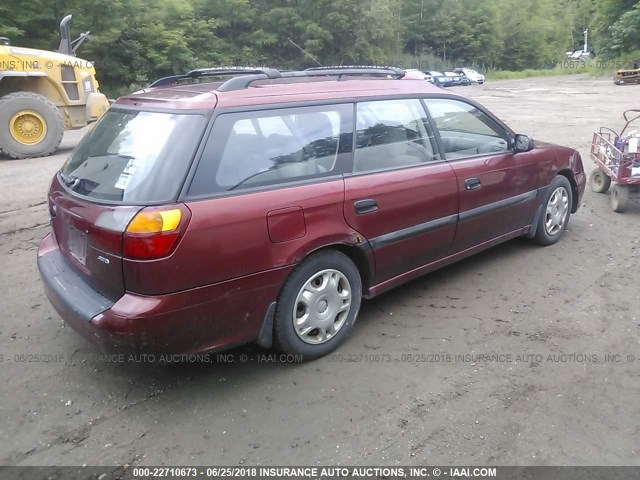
628	75
44	93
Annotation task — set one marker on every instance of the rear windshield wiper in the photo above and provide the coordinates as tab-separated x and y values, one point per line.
68	181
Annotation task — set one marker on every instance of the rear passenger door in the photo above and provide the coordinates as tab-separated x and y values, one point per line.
401	195
498	188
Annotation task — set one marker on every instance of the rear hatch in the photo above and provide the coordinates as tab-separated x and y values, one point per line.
131	161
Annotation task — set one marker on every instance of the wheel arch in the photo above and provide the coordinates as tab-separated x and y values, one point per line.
568	174
41	84
362	257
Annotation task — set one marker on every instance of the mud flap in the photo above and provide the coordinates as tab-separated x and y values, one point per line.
265	339
534	224
542	195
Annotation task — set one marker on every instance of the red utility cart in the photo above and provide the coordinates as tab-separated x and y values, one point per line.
618	159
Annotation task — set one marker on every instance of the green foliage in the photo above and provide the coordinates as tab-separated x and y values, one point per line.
625	31
616	25
136	41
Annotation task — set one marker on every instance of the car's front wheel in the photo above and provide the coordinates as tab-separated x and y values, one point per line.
556	212
318	305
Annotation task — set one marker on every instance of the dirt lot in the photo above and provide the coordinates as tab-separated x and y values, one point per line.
553	314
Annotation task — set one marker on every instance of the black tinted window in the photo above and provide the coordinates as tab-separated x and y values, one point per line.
269	147
134	156
391	134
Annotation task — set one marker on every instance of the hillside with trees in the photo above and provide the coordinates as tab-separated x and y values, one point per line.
134	41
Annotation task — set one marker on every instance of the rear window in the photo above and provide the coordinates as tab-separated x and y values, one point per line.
134	156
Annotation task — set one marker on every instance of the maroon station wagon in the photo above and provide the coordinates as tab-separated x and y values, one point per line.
262	206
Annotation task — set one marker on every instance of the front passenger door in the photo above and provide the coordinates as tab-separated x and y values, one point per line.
402	197
497	188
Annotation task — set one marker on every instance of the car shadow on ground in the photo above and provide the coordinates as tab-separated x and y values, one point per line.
243	366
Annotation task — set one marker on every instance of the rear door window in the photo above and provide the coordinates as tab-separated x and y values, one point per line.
134	156
251	149
392	134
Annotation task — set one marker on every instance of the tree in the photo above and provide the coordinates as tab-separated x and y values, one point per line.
136	41
625	32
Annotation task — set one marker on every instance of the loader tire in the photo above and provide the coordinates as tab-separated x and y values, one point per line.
30	125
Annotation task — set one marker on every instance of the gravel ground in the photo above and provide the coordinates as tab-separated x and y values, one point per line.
557	316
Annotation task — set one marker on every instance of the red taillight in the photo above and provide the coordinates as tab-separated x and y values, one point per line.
154	232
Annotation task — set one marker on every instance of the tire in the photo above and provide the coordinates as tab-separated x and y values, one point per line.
318	289
619	198
26	109
556	212
599	181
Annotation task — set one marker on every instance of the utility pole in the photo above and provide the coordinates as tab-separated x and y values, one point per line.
586	36
399	18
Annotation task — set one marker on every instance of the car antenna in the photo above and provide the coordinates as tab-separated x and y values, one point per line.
305	52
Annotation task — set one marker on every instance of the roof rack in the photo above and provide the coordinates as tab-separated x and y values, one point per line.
244	77
357	70
217	72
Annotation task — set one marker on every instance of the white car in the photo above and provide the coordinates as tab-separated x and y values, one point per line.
415	73
472	75
580	55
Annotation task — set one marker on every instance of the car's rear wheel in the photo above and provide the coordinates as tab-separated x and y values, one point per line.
318	305
620	198
556	212
599	181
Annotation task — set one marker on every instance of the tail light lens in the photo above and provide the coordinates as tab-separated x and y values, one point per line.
154	232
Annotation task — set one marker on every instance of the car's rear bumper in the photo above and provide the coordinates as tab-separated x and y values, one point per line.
213	317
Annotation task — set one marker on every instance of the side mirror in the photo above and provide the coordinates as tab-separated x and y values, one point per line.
522	143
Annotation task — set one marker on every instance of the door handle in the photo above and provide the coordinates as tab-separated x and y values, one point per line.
365	206
472	184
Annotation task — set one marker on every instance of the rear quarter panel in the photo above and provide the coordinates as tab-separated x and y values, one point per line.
228	237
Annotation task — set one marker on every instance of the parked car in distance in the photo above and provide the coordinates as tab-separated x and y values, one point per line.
472	75
579	54
458	79
414	72
264	206
439	78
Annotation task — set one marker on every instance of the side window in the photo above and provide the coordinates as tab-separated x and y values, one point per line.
392	134
465	130
252	149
